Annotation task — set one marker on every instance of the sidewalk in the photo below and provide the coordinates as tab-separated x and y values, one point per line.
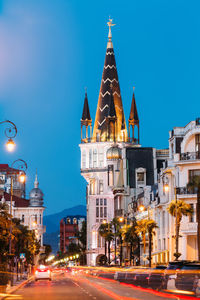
10	290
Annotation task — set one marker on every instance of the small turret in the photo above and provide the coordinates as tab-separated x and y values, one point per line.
133	121
86	121
36	195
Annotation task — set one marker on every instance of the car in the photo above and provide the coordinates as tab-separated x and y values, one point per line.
156	277
42	273
171	270
187	277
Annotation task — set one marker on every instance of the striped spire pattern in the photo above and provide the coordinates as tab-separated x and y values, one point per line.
109	77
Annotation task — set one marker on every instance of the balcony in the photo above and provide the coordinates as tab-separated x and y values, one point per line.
190	156
189	227
185	191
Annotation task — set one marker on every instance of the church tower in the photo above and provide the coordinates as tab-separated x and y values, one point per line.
103	153
133	121
109	77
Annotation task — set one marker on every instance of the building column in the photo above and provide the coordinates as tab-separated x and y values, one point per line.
183	248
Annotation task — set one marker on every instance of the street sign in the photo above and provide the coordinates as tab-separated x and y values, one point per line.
22	255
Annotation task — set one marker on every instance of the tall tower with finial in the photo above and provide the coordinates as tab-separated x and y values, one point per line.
103	152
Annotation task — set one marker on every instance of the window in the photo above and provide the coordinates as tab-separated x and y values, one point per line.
101	202
74	221
105	212
110	175
101	157
36	218
92	187
22	218
197	142
101	212
90	158
68	221
84	159
95	158
40	219
100	186
105	202
140	177
191	217
193	173
97	212
97	201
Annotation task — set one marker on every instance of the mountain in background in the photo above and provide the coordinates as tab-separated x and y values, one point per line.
52	223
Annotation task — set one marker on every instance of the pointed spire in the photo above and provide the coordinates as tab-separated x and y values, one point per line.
109	76
133	118
110	24
36	183
86	111
120	181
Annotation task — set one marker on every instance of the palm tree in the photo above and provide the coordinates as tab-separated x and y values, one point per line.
179	208
131	238
109	239
141	229
194	186
116	226
103	229
151	226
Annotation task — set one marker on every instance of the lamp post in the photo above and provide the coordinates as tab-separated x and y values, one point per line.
22	165
10	132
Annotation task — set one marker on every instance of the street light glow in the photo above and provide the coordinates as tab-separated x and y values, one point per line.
10	145
121	219
166	188
141	208
22	178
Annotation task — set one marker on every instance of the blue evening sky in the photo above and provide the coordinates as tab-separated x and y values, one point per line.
50	50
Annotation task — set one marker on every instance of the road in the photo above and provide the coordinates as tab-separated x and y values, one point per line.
79	287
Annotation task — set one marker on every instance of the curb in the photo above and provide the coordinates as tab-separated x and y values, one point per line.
15	288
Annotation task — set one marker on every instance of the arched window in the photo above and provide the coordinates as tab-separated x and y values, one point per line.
84	159
101	157
74	221
90	158
95	158
68	221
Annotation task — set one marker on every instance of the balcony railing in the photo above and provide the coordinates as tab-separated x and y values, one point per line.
185	191
190	156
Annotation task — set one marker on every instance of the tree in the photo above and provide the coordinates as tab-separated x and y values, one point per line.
103	228
131	238
151	226
116	226
141	229
179	208
82	240
194	186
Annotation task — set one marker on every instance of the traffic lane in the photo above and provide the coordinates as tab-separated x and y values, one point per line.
61	287
125	291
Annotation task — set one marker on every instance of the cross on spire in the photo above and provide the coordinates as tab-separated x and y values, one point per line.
110	24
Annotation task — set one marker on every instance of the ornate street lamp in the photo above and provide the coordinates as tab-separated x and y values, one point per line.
10	132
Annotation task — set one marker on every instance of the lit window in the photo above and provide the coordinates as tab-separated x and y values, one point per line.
84	159
100	186
74	221
94	158
68	221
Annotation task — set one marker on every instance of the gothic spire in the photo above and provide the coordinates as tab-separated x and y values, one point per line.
109	76
111	108
86	111
133	118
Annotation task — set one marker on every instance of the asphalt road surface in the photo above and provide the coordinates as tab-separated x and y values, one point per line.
78	287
